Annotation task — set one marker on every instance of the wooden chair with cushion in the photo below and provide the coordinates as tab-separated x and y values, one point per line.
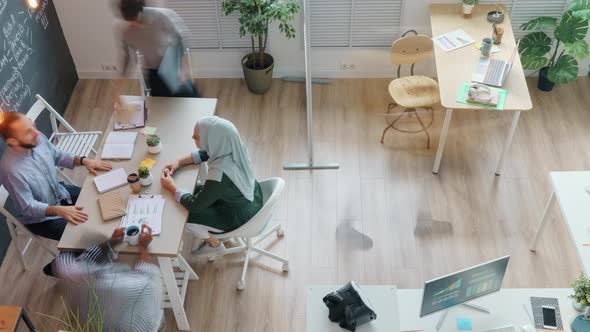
411	92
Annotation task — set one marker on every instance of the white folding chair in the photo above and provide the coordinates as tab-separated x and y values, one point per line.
70	141
15	227
257	229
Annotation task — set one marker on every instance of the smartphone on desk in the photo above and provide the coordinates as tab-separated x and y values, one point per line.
549	318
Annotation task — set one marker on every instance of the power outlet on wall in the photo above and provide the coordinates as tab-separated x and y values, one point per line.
110	67
347	66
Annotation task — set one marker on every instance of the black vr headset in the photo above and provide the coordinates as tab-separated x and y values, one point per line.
349	307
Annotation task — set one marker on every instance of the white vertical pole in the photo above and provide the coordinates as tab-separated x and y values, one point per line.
308	85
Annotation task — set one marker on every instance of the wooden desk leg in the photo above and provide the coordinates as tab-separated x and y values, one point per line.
543	222
176	300
508	142
441	142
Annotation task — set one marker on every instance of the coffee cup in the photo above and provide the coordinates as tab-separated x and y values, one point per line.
132	235
486	46
133	181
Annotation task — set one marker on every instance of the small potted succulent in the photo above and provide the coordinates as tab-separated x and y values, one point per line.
468	6
581	296
154	144
145	176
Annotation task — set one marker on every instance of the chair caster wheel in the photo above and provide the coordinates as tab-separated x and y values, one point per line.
211	258
285	267
241	285
280	232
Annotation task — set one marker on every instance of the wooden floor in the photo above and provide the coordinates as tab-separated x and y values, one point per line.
383	217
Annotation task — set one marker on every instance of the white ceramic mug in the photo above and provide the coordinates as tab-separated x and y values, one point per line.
132	235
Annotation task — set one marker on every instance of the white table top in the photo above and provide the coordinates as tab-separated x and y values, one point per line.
175	119
383	299
505	305
574	202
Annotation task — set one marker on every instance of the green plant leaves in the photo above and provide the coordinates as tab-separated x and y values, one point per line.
536	43
565	70
571	28
540	23
581	9
578	49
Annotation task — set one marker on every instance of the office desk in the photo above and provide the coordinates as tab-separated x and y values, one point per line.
175	119
505	306
570	190
457	66
11	317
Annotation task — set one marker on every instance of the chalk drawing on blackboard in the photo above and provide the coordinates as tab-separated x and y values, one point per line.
3	4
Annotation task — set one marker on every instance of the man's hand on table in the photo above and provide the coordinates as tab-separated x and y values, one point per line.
96	165
73	214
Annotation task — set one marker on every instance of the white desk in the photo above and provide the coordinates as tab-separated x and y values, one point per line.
505	305
382	298
399	309
574	201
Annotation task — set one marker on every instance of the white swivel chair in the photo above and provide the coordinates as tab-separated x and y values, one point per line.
15	227
257	229
70	141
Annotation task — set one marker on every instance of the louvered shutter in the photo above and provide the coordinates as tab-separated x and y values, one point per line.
525	10
329	23
375	23
209	28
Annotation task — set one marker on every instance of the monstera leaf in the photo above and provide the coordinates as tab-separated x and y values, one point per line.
578	49
571	28
533	49
565	70
540	23
581	9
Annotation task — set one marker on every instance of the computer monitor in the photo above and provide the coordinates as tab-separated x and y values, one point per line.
462	286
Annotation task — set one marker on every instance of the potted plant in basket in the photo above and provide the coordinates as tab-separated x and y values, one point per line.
555	58
154	144
255	17
467	6
145	176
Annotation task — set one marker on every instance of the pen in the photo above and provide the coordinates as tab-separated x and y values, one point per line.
586	244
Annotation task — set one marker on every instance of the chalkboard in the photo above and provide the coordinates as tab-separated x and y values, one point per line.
34	59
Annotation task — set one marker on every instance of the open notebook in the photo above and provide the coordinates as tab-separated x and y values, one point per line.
119	145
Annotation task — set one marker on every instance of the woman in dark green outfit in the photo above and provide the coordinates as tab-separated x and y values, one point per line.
230	195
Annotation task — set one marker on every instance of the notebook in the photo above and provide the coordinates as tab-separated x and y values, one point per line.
132	115
111	180
111	205
119	145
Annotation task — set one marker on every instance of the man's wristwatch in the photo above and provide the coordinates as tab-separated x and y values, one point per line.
82	160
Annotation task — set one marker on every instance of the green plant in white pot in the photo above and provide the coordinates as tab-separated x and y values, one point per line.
255	18
556	58
581	296
467	6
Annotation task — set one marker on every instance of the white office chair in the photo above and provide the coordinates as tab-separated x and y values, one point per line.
15	227
71	141
257	229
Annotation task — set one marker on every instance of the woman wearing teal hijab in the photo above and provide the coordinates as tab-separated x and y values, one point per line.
230	195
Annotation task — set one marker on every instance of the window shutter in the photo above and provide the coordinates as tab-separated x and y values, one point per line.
522	11
329	23
209	28
376	23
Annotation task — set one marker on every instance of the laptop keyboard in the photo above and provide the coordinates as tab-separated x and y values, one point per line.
509	328
494	73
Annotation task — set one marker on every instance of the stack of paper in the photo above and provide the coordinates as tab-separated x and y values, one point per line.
119	145
145	209
453	40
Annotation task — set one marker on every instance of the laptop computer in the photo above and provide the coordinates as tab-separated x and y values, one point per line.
493	71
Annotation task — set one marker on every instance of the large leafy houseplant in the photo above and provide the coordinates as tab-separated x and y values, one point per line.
556	57
255	18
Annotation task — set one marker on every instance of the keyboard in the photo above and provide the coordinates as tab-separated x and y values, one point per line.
495	72
509	328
